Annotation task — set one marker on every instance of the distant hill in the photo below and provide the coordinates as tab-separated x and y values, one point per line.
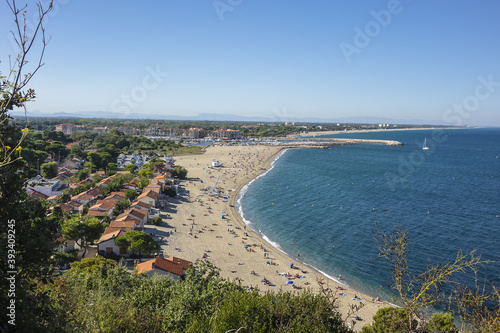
229	117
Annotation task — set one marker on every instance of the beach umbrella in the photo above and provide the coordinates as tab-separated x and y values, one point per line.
289	282
222	217
290	264
245	247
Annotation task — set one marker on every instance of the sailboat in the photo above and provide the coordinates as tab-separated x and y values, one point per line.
425	145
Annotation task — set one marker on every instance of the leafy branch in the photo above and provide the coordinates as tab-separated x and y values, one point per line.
12	85
426	289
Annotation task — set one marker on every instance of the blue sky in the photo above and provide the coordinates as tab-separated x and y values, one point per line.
421	59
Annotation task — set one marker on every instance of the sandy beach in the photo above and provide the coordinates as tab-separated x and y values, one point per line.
194	229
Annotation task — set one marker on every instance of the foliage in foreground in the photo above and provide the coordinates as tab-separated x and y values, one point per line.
106	298
477	309
389	320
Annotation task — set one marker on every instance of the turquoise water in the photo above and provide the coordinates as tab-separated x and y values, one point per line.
328	201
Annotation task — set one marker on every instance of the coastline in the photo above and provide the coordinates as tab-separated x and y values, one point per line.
221	240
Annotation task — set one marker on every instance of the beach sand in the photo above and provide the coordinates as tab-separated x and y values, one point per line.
194	229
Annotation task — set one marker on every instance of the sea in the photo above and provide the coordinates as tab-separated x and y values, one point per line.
322	206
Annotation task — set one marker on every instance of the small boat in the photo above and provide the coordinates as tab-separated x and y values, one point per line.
425	145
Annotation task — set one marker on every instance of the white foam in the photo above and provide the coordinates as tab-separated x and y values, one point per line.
244	189
331	277
273	244
239	207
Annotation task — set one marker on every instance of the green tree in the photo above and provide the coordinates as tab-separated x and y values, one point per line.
179	172
83	174
131	167
121	205
156	221
131	194
82	231
22	216
64	197
95	160
389	320
57	150
40	144
41	155
90	265
106	158
111	169
76	151
112	150
143	182
49	170
441	322
145	173
138	241
54	136
167	190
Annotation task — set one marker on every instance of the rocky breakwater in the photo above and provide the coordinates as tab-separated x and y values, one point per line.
337	141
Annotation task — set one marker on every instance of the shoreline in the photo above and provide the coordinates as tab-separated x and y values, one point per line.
220	240
264	237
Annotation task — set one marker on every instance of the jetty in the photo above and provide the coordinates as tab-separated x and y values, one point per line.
327	142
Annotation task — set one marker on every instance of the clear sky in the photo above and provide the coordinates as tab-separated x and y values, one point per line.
420	59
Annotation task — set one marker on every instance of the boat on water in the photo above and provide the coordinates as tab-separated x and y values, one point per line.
425	145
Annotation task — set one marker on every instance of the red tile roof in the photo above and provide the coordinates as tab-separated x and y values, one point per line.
37	194
65	207
97	213
123	224
151	194
139	213
142	204
113	229
167	265
110	235
96	191
82	196
74	204
116	196
104	205
145	267
184	263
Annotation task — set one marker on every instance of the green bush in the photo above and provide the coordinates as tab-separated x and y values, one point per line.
63	258
156	221
116	301
179	172
389	320
441	322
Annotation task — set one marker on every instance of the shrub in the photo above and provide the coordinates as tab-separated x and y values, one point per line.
441	322
389	320
156	221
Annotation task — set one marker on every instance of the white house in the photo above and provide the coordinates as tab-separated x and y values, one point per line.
66	245
49	187
73	163
107	245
